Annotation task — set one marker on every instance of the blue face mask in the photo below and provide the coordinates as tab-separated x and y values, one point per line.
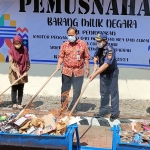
71	38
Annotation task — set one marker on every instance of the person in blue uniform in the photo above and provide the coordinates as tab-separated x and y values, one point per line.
108	70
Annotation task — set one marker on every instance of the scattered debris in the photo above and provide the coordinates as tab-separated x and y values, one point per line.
136	132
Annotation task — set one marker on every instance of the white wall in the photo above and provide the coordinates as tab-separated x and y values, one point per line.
133	83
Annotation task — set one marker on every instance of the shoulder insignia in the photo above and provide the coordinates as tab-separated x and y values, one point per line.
109	56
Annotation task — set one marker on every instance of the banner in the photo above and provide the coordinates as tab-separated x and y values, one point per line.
43	24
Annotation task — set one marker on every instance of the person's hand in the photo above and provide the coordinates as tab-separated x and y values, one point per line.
25	74
91	77
58	66
18	74
95	67
87	72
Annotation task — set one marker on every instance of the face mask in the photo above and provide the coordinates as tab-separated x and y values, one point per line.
17	46
99	44
71	38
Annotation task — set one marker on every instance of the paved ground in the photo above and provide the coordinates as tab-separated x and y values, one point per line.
132	107
97	136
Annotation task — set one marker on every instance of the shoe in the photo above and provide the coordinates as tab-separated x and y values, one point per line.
19	107
14	106
98	115
112	118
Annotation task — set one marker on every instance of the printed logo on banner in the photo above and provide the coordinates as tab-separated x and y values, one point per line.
8	30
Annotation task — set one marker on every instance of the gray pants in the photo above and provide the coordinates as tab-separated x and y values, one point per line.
76	82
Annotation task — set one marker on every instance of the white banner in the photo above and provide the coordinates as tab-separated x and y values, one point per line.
43	23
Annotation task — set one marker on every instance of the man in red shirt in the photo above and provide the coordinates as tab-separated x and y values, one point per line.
73	54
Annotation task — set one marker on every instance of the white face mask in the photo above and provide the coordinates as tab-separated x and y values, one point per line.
17	46
99	44
71	38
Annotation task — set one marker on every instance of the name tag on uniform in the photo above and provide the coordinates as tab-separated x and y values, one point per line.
104	53
78	56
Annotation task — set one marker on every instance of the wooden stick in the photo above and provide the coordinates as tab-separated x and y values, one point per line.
80	95
79	98
12	84
21	113
68	118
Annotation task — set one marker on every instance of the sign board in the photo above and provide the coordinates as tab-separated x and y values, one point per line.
43	24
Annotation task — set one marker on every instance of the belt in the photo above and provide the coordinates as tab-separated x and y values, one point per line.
74	67
109	71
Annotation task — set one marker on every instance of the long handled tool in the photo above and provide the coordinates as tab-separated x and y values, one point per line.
22	112
11	86
70	113
66	103
80	96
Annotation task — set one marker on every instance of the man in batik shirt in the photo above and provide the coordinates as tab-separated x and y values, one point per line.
73	54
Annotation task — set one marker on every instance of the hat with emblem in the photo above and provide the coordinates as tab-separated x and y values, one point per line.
101	36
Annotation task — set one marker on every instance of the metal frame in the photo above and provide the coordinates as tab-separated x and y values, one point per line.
47	141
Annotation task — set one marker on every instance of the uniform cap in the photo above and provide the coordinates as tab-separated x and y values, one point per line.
101	36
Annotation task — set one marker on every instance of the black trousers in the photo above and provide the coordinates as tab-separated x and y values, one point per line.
17	88
109	87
